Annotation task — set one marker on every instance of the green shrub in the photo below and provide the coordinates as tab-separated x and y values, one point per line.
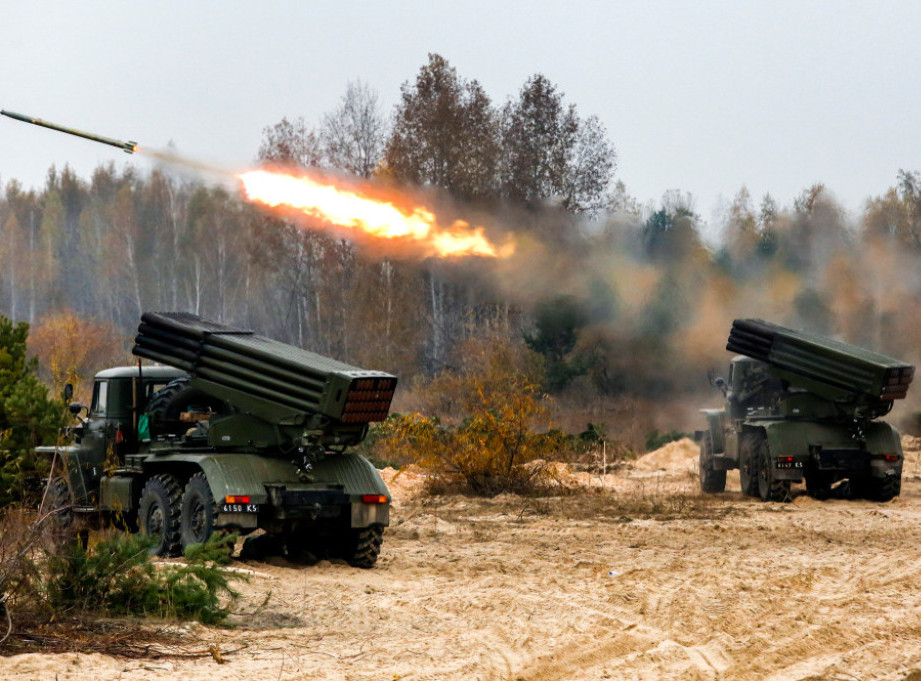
655	439
117	577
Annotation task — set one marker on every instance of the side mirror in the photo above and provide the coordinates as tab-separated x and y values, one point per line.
68	392
75	408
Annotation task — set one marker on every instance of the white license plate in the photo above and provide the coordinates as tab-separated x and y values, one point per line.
240	508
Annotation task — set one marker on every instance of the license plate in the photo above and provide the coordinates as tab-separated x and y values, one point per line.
789	464
240	508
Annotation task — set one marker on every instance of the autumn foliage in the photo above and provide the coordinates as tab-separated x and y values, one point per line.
495	436
73	348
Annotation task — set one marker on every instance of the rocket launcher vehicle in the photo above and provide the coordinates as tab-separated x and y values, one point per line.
274	381
843	373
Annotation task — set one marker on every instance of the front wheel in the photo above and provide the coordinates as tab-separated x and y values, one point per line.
158	514
196	519
60	504
712	481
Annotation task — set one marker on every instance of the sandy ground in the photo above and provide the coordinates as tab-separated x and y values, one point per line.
645	580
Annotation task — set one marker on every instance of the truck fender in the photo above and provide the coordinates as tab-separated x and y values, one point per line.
247	474
716	420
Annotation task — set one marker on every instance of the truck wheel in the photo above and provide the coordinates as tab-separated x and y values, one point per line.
196	519
363	546
261	546
711	481
60	503
769	488
158	514
748	463
818	485
878	489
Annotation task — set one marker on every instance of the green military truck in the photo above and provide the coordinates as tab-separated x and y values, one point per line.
229	431
800	406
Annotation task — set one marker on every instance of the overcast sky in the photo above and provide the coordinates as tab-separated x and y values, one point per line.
703	97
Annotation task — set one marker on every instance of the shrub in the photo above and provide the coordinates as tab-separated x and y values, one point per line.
117	577
494	443
655	439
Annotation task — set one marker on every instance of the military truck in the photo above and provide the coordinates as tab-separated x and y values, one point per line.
229	431
803	406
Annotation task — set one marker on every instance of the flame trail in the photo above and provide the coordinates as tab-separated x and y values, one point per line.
344	208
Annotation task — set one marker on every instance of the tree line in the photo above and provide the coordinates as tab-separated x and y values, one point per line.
615	297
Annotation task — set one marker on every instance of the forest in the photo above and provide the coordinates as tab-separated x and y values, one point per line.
616	309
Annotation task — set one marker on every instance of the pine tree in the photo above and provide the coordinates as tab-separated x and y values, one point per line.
28	417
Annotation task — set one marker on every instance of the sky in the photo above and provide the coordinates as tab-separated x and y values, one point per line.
701	97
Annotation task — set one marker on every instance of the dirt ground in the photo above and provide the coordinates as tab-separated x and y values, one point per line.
645	579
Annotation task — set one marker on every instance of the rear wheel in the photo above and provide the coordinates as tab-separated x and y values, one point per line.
363	546
877	489
818	484
769	488
748	462
712	481
158	514
198	511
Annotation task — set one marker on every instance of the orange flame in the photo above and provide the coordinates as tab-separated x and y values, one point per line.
371	217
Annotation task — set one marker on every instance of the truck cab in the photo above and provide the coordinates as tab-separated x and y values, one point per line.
110	428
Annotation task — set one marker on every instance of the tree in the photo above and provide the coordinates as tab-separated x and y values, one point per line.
353	135
670	233
445	133
558	323
290	143
897	214
72	348
549	153
28	417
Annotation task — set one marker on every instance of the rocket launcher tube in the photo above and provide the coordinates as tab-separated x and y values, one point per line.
826	367
262	372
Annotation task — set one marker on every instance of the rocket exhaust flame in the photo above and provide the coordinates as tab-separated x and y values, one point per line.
371	217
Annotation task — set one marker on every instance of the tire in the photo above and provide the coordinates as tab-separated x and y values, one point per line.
748	462
364	546
197	512
818	484
769	488
160	401
261	546
711	481
878	489
171	400
158	514
59	503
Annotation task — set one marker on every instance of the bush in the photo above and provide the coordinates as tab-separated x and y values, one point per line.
494	444
655	439
117	577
